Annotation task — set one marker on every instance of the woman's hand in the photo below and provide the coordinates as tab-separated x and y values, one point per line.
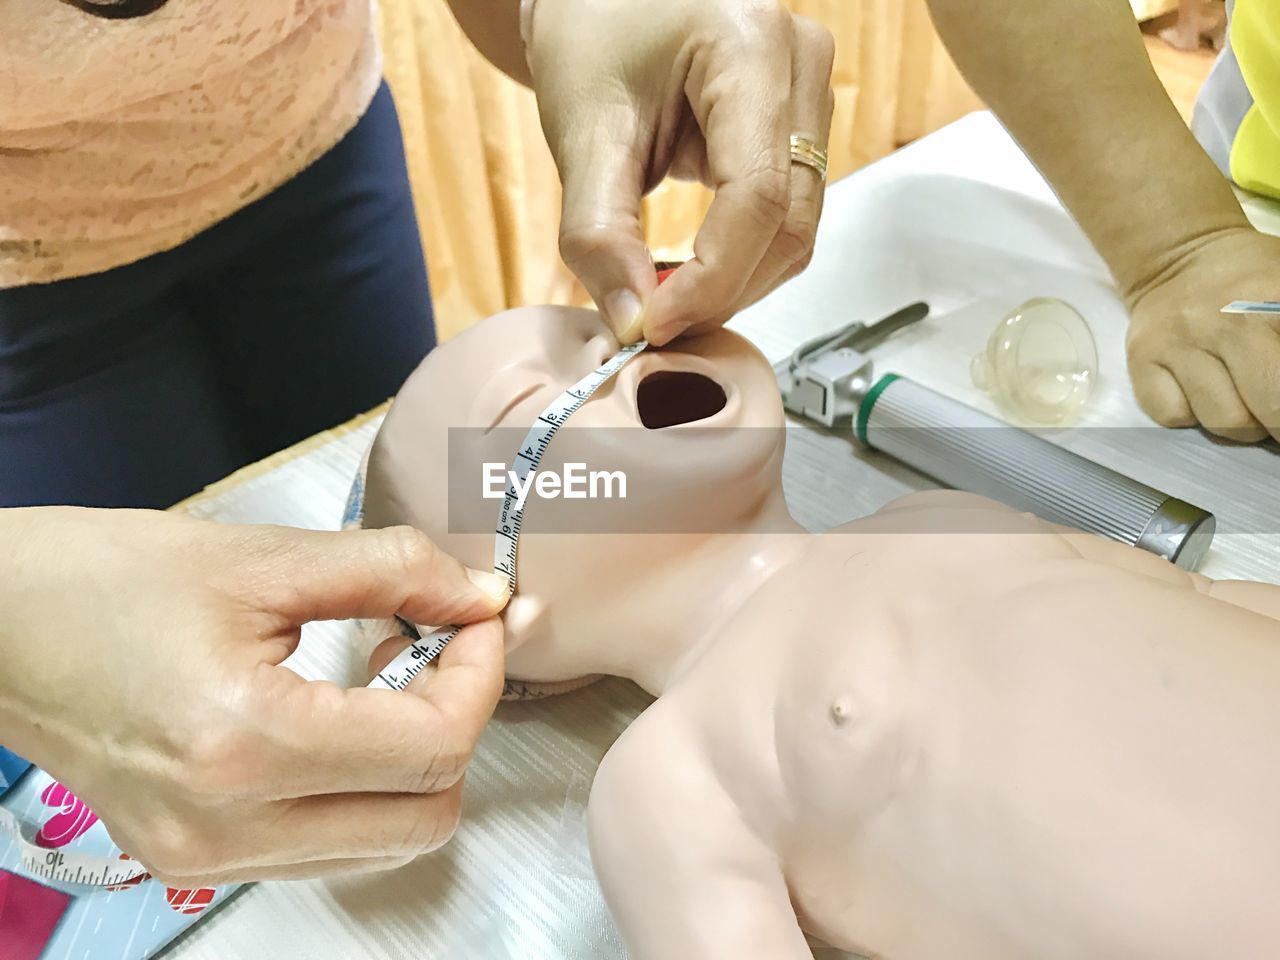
1072	82
709	90
142	657
1191	363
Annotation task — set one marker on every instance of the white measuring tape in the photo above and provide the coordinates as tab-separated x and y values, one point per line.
411	661
71	867
67	866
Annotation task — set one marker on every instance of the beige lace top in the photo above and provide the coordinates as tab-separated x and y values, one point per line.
122	138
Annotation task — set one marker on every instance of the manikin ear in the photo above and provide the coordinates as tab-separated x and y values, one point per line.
525	619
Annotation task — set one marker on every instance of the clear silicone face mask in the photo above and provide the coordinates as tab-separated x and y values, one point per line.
1040	363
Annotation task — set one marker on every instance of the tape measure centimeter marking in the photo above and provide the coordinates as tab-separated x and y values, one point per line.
96	870
87	869
506	541
67	866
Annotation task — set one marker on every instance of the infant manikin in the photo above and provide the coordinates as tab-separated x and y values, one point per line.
947	730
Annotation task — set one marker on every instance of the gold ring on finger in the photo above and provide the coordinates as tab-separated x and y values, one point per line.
805	151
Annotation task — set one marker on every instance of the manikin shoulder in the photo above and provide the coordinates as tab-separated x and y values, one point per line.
672	754
685	870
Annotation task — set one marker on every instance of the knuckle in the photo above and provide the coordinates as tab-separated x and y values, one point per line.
259	555
770	197
215	764
411	548
443	770
1144	344
767	19
1233	419
1158	397
818	43
448	817
436	823
1137	330
588	242
176	851
1270	377
1165	414
794	242
428	781
447	772
1160	411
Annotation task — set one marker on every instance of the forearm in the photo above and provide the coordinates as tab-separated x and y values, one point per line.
494	27
1071	81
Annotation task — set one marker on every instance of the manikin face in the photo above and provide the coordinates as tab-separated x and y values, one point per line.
696	428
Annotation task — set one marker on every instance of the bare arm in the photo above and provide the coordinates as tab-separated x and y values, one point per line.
683	874
1071	81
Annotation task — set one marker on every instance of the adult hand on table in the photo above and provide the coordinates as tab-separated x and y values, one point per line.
1191	363
142	658
710	90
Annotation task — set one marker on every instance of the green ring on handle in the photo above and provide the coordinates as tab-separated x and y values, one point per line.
864	409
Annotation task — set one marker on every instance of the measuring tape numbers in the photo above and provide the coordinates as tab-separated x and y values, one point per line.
414	658
67	866
86	869
411	661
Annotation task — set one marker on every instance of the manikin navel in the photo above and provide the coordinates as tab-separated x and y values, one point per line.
947	731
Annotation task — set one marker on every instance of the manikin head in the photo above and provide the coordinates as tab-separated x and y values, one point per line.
697	429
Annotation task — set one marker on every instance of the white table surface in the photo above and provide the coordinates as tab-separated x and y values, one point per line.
959	219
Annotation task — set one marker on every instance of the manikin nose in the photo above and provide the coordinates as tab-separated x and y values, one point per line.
600	348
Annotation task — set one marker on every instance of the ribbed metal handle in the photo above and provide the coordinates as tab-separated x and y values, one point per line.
968	450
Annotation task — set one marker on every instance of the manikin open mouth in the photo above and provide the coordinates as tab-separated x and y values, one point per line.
668	398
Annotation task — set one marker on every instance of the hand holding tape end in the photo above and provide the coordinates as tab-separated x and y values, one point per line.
265	774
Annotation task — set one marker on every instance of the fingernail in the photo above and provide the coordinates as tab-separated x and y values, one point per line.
665	334
622	312
494	584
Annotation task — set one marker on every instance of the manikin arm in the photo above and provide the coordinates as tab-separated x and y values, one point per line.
1263	598
683	874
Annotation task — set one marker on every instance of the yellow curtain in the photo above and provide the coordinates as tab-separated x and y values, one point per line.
485	185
